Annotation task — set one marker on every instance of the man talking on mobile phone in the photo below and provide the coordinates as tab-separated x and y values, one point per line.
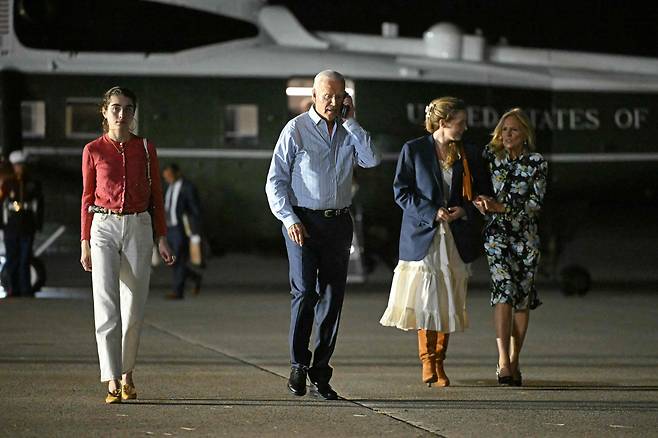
309	189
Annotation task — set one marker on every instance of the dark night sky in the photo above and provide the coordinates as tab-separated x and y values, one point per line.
608	26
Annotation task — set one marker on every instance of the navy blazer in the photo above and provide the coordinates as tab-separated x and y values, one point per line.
188	204
418	190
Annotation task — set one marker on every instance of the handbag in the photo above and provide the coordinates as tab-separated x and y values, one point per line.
196	253
195	244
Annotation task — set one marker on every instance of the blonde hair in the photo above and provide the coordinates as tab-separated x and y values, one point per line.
444	108
526	129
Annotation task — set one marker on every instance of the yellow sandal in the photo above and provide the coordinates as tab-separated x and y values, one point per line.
128	392
113	397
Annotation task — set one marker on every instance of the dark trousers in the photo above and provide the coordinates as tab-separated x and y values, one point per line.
180	245
17	266
318	274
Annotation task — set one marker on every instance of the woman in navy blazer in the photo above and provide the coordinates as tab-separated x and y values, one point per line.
435	180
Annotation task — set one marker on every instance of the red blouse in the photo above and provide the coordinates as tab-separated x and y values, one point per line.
114	177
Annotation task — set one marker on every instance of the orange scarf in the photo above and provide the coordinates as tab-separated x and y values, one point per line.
467	180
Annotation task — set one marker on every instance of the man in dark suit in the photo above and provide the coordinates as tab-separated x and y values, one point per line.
183	214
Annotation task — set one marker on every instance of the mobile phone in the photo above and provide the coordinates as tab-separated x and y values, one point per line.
344	109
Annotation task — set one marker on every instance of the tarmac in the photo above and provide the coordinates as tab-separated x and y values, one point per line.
216	364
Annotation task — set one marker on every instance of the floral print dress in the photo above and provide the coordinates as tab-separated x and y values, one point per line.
511	238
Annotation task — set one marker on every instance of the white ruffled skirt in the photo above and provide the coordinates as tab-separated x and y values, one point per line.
431	293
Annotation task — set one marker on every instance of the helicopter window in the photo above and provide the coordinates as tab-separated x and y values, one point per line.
33	116
241	125
299	91
83	118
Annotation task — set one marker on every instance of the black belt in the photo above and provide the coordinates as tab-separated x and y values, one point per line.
326	213
102	210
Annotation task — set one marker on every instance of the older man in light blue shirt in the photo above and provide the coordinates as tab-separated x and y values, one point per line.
309	189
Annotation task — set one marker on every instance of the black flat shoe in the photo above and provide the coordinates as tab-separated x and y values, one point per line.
323	390
503	380
297	381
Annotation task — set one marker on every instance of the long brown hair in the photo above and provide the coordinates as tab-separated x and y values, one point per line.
444	108
115	91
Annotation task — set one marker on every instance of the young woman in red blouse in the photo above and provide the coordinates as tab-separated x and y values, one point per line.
122	209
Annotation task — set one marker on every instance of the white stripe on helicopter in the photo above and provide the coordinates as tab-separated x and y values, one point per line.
266	154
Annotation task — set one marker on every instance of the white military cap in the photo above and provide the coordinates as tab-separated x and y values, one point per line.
17	157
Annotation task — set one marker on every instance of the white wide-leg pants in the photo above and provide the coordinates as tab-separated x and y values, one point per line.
121	249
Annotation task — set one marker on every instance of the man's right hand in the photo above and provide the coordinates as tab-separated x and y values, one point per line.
297	233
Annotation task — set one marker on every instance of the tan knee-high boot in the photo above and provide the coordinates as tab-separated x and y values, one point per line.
427	354
441	348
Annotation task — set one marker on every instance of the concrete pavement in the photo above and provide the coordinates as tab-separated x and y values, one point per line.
216	365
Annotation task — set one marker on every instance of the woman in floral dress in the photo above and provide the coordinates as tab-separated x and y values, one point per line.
511	238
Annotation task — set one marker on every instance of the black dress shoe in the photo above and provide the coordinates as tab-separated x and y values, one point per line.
197	285
324	390
297	381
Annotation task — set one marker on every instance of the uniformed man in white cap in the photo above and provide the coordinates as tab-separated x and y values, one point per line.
22	217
